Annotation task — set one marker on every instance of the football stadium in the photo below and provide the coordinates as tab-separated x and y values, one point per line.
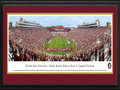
30	41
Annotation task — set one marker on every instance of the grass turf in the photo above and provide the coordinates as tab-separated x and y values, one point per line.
59	42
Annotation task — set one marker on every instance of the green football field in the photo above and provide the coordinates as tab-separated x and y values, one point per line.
59	42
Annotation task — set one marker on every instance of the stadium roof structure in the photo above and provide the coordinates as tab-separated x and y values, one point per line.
27	24
87	25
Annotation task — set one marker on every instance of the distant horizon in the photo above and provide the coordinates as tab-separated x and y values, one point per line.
66	21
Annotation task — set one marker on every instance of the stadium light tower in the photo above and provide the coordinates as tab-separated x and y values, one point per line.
10	24
16	24
108	24
21	20
98	22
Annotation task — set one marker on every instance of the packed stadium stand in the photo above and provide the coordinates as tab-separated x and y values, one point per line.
25	44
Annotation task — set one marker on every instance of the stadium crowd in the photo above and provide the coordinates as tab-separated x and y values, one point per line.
92	44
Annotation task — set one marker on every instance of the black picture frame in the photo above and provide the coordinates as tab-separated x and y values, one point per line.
59	3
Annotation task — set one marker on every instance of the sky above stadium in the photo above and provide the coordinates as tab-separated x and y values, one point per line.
67	21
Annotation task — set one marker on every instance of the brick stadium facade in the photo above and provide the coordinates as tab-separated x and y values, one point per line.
59	29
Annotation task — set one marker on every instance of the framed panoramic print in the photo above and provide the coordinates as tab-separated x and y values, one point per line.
54	44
